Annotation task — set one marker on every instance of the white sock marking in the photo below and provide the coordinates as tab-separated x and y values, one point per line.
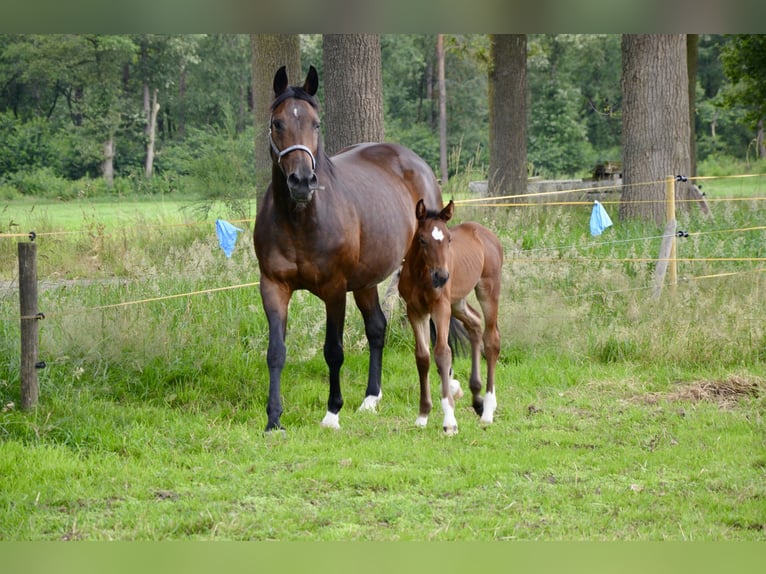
490	404
370	403
331	421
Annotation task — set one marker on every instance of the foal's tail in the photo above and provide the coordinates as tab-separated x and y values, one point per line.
457	337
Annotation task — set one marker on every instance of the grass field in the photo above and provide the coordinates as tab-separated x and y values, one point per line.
620	416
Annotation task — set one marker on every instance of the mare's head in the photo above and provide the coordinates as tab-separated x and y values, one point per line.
294	134
432	240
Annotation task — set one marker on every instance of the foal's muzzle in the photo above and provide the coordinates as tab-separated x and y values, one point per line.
439	277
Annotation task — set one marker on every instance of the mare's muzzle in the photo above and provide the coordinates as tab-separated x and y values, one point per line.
302	182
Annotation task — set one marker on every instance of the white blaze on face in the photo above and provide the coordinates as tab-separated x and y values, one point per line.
437	234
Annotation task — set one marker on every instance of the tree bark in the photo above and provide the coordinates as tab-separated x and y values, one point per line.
107	166
269	53
508	107
692	41
442	109
655	122
152	127
353	87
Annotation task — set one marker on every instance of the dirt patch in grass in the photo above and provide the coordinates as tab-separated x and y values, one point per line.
725	392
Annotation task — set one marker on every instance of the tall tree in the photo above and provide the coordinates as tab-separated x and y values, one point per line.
692	43
508	105
441	82
655	121
353	86
269	53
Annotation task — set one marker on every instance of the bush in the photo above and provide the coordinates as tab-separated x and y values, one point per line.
219	165
42	182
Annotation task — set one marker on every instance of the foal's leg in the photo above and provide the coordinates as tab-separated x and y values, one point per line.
488	296
443	357
375	329
472	322
333	356
423	361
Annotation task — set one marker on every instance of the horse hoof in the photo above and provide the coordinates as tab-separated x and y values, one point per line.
421	421
450	431
331	421
275	433
370	402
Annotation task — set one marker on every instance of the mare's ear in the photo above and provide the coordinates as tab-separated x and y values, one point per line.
446	213
280	81
420	210
311	85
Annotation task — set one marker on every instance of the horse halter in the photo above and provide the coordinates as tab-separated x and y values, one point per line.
288	149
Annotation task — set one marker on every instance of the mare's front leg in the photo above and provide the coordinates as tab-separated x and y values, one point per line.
375	328
443	356
423	361
275	298
333	355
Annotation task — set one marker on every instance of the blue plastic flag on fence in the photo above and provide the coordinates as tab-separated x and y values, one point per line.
227	235
599	219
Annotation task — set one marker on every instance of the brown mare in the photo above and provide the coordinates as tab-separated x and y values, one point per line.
441	268
332	225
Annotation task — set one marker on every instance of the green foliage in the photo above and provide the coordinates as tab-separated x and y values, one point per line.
217	164
744	60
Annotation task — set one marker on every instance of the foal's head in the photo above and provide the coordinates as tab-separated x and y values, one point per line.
433	239
294	133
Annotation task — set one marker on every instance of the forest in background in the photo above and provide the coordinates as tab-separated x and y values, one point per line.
65	99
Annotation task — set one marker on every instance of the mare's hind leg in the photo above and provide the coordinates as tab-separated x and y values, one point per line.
375	329
472	322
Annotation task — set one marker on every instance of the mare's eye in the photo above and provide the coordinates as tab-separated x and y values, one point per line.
316	126
278	125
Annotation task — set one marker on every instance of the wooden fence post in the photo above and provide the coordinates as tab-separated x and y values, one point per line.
29	329
666	261
670	215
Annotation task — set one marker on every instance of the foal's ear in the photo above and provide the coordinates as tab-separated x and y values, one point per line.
420	210
446	213
311	85
280	81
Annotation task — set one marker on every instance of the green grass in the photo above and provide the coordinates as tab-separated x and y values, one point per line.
620	417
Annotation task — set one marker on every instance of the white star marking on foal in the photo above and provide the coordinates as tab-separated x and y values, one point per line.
437	234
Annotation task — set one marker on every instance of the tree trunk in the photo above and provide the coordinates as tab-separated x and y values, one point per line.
655	122
442	109
107	166
149	168
269	53
353	87
508	106
692	41
182	102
